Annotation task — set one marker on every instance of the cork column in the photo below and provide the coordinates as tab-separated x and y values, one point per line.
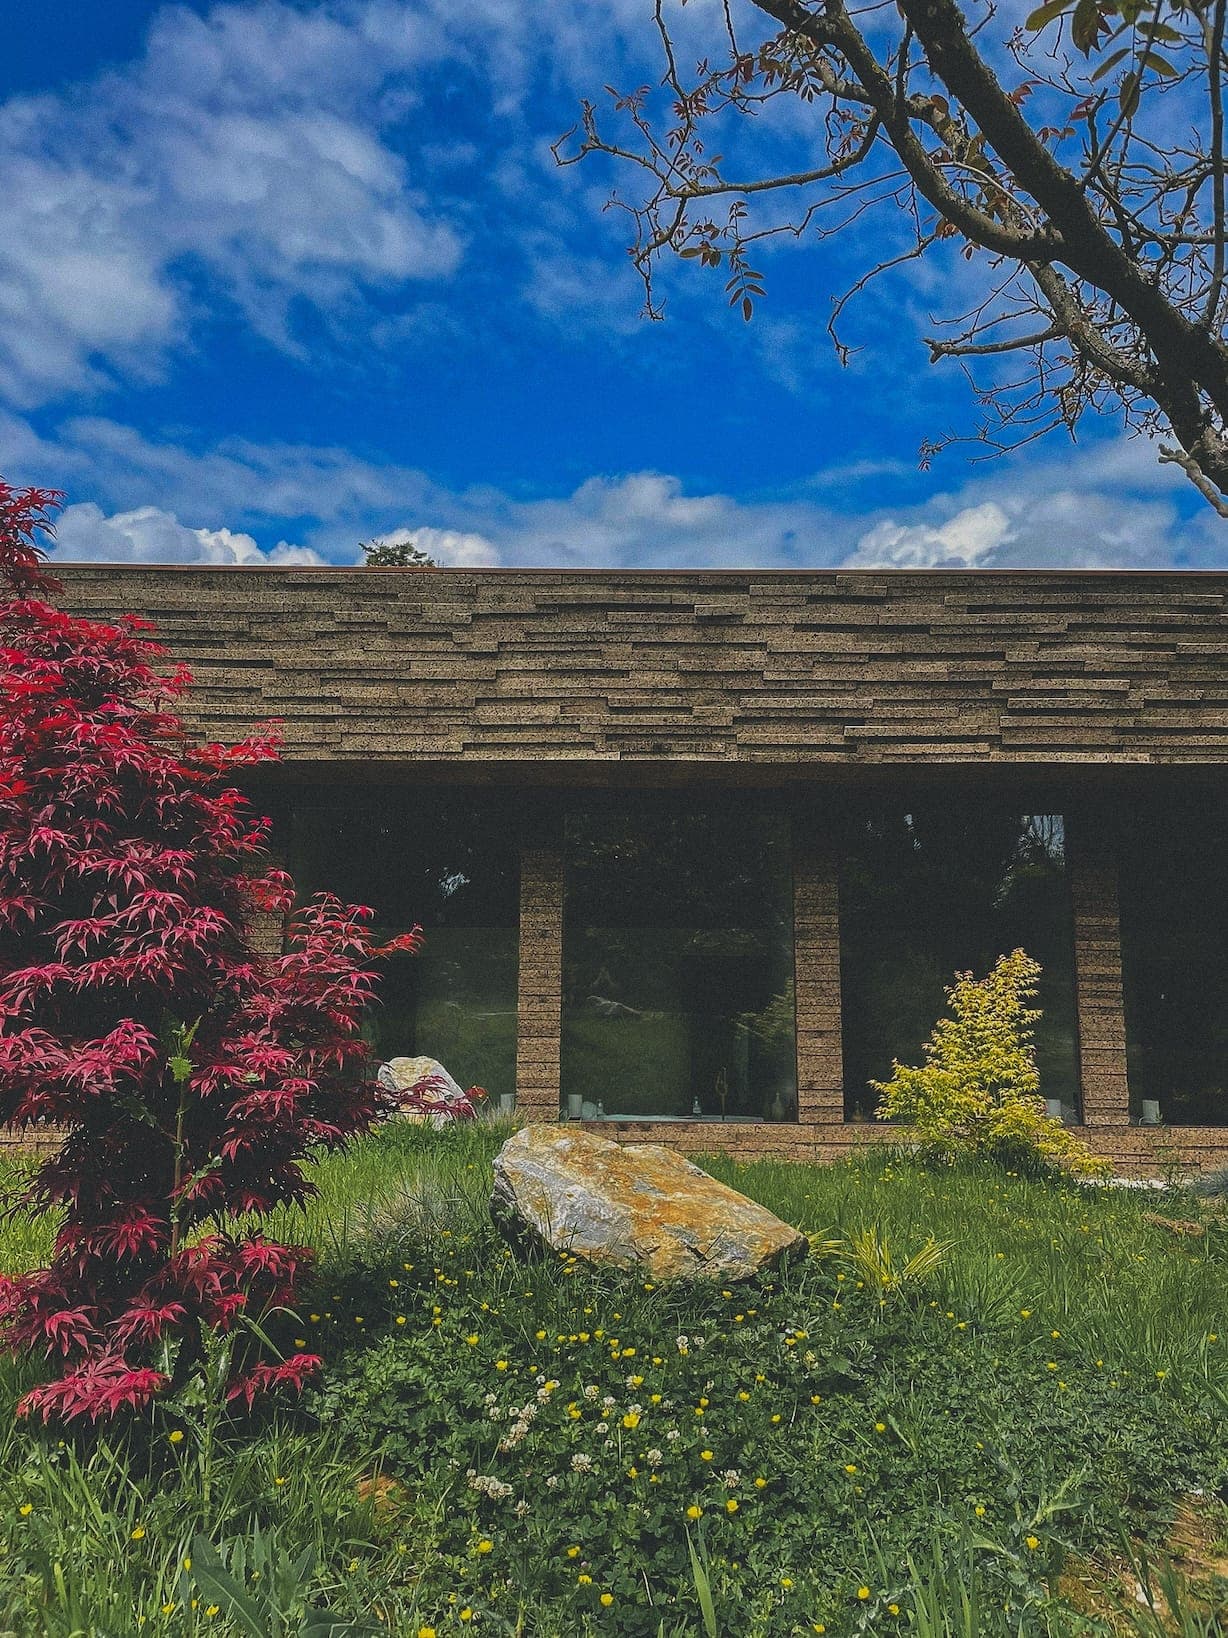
1092	863
540	1003
816	956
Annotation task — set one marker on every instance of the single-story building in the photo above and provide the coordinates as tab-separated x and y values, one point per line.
697	851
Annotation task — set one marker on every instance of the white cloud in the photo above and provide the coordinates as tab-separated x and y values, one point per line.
149	535
245	147
964	541
1106	506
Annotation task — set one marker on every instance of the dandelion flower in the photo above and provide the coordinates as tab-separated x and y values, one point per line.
731	1505
485	1546
863	1593
693	1512
1033	1542
606	1600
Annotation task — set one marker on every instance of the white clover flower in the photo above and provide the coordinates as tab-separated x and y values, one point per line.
521	1508
591	1391
732	1478
552	1481
654	1457
581	1462
602	1427
608	1401
673	1434
683	1344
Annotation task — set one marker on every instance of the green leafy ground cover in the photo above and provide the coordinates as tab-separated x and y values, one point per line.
541	1449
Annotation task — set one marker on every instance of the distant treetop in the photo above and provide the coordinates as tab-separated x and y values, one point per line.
394	554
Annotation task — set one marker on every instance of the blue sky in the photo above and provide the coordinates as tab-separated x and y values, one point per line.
278	278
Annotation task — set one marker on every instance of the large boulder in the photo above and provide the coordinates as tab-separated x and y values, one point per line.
633	1206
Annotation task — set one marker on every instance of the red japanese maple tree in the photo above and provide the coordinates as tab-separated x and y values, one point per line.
186	1075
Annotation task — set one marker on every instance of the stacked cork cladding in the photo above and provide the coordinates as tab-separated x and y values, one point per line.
807	667
813	680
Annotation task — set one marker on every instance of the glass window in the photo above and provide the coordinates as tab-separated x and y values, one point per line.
678	960
449	862
943	889
1174	945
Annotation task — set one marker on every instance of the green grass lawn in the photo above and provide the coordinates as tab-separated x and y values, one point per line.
547	1450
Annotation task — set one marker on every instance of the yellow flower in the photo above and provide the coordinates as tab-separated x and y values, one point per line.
880	1427
394	1283
472	1341
139	1533
215	1609
980	1511
466	1614
485	1546
584	1580
743	1396
540	1335
400	1319
1033	1543
760	1483
705	1455
1160	1375
819	1627
786	1582
26	1509
731	1505
893	1609
176	1438
300	1342
863	1593
776	1418
631	1420
573	1552
280	1481
187	1563
850	1467
426	1632
606	1600
693	1512
500	1364
168	1609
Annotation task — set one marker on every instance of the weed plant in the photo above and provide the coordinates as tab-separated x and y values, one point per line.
883	1438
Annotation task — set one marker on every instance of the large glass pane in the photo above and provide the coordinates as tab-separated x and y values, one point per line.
448	862
1174	938
943	889
678	960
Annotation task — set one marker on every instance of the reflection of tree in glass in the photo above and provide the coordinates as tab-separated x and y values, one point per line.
677	925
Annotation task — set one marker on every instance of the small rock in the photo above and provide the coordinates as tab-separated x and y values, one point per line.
420	1089
635	1206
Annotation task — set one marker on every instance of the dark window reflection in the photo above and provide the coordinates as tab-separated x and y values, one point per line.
678	961
940	890
449	863
1174	930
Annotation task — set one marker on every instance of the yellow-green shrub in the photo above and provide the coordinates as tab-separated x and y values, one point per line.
977	1092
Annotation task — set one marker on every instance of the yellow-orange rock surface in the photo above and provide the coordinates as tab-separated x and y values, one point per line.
634	1206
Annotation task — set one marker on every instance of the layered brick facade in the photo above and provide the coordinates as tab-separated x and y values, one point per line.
1088	687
